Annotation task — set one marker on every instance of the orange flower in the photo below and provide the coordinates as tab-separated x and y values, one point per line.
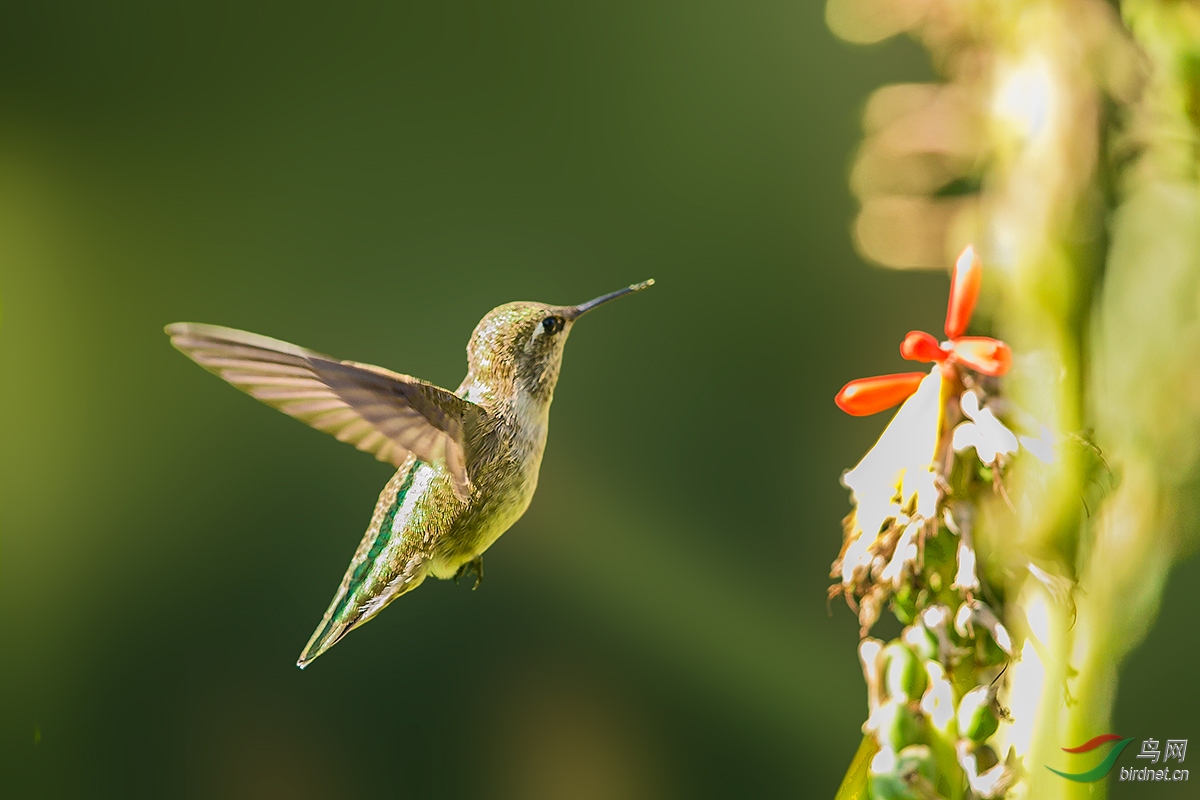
979	353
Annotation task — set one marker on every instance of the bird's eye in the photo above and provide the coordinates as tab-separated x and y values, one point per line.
552	325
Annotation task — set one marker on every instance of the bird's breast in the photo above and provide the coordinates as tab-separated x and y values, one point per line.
505	476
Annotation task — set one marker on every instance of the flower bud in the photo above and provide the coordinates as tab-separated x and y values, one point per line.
910	774
977	714
904	675
982	354
904	603
964	291
922	641
920	346
866	396
896	725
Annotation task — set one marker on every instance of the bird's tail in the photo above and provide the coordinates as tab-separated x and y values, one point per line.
327	634
352	606
386	565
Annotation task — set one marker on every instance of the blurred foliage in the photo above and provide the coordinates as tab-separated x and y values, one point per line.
1064	142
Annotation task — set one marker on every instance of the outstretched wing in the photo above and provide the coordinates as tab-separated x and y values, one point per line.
378	411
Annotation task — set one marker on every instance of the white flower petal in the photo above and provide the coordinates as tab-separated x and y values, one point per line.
966	435
901	460
1042	446
966	576
906	553
986	433
938	700
996	431
857	555
970	404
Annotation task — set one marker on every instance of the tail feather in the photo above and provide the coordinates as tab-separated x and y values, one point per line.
387	564
347	612
327	634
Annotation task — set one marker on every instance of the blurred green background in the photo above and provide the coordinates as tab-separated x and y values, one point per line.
369	181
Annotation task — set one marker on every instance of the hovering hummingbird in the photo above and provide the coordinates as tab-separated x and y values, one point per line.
467	461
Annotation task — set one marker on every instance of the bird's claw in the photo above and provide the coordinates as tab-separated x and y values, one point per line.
475	565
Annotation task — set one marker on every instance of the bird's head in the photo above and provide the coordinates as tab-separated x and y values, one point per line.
519	346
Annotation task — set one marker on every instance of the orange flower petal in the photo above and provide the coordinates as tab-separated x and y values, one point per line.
921	346
983	354
871	395
964	291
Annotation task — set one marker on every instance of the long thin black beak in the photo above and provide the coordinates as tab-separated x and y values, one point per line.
575	312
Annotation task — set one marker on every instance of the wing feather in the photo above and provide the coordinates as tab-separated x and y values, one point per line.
381	412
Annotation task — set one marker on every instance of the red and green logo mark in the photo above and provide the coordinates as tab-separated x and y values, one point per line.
1104	767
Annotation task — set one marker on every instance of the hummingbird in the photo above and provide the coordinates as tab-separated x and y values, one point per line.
466	461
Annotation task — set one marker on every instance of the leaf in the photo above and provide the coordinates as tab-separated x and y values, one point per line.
854	785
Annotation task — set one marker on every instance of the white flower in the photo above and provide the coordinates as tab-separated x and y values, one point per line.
988	435
993	782
906	553
966	577
938	700
897	471
1041	446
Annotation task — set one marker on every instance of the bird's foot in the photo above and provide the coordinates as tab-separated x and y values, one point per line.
475	565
